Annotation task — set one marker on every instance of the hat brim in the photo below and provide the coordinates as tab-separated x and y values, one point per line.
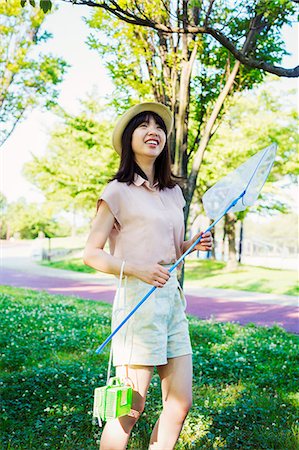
157	108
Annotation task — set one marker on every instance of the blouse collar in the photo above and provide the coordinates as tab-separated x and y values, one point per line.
139	181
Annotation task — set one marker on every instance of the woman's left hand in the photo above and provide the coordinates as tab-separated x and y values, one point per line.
206	242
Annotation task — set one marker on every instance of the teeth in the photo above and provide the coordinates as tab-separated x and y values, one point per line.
151	142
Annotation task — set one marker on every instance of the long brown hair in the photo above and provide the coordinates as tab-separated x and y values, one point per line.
128	166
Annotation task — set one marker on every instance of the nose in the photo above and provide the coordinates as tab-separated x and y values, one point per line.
152	130
152	133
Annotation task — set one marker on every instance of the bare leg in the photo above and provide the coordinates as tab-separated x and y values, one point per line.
176	382
116	432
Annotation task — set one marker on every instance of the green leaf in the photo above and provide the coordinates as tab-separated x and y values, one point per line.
32	3
23	3
45	5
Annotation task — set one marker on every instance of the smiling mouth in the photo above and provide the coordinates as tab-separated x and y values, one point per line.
152	142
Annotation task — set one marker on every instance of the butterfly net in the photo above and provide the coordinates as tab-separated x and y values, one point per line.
248	179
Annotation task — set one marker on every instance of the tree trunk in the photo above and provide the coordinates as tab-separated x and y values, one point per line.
230	229
181	274
190	184
241	241
181	141
212	253
207	133
223	243
254	30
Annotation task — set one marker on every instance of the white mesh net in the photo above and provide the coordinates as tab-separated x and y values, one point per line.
249	177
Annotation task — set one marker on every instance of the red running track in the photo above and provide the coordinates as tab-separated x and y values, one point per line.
221	309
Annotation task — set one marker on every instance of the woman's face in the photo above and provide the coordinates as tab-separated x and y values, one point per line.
148	140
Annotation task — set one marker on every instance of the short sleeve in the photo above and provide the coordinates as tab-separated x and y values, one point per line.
112	197
180	197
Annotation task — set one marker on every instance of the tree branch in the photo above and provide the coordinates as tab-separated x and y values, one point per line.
251	62
209	12
16	121
220	37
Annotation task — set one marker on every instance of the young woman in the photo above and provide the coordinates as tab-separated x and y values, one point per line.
141	213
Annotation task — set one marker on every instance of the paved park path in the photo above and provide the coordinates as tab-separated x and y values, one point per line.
221	304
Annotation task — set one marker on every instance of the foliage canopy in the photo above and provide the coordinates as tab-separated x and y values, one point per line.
26	77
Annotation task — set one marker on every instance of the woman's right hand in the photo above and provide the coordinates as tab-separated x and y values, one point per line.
153	274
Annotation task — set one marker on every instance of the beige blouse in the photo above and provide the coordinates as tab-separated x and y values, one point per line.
149	223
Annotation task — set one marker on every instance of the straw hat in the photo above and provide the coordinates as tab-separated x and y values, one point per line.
157	108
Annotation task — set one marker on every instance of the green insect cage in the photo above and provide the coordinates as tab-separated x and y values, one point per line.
113	400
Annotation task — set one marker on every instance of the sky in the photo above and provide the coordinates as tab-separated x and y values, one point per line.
85	74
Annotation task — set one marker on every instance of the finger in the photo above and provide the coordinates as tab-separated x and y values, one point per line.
165	276
205	242
204	247
164	273
164	269
161	280
203	236
207	237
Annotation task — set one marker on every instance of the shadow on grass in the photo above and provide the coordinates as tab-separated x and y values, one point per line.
293	291
243	424
197	270
257	286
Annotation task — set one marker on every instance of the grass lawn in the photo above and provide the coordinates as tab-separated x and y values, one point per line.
74	264
213	274
245	379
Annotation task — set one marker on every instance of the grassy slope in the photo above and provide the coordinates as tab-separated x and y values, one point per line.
245	379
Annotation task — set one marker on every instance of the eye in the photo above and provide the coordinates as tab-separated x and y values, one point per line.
143	125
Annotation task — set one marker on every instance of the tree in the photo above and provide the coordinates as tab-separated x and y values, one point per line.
169	60
255	120
192	56
25	79
27	220
79	161
171	37
189	72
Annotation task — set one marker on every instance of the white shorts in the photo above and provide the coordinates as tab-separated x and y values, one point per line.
158	330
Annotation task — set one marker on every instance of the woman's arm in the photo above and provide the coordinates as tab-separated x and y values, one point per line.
204	245
95	256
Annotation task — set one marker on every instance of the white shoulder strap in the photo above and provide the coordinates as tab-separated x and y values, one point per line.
118	292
